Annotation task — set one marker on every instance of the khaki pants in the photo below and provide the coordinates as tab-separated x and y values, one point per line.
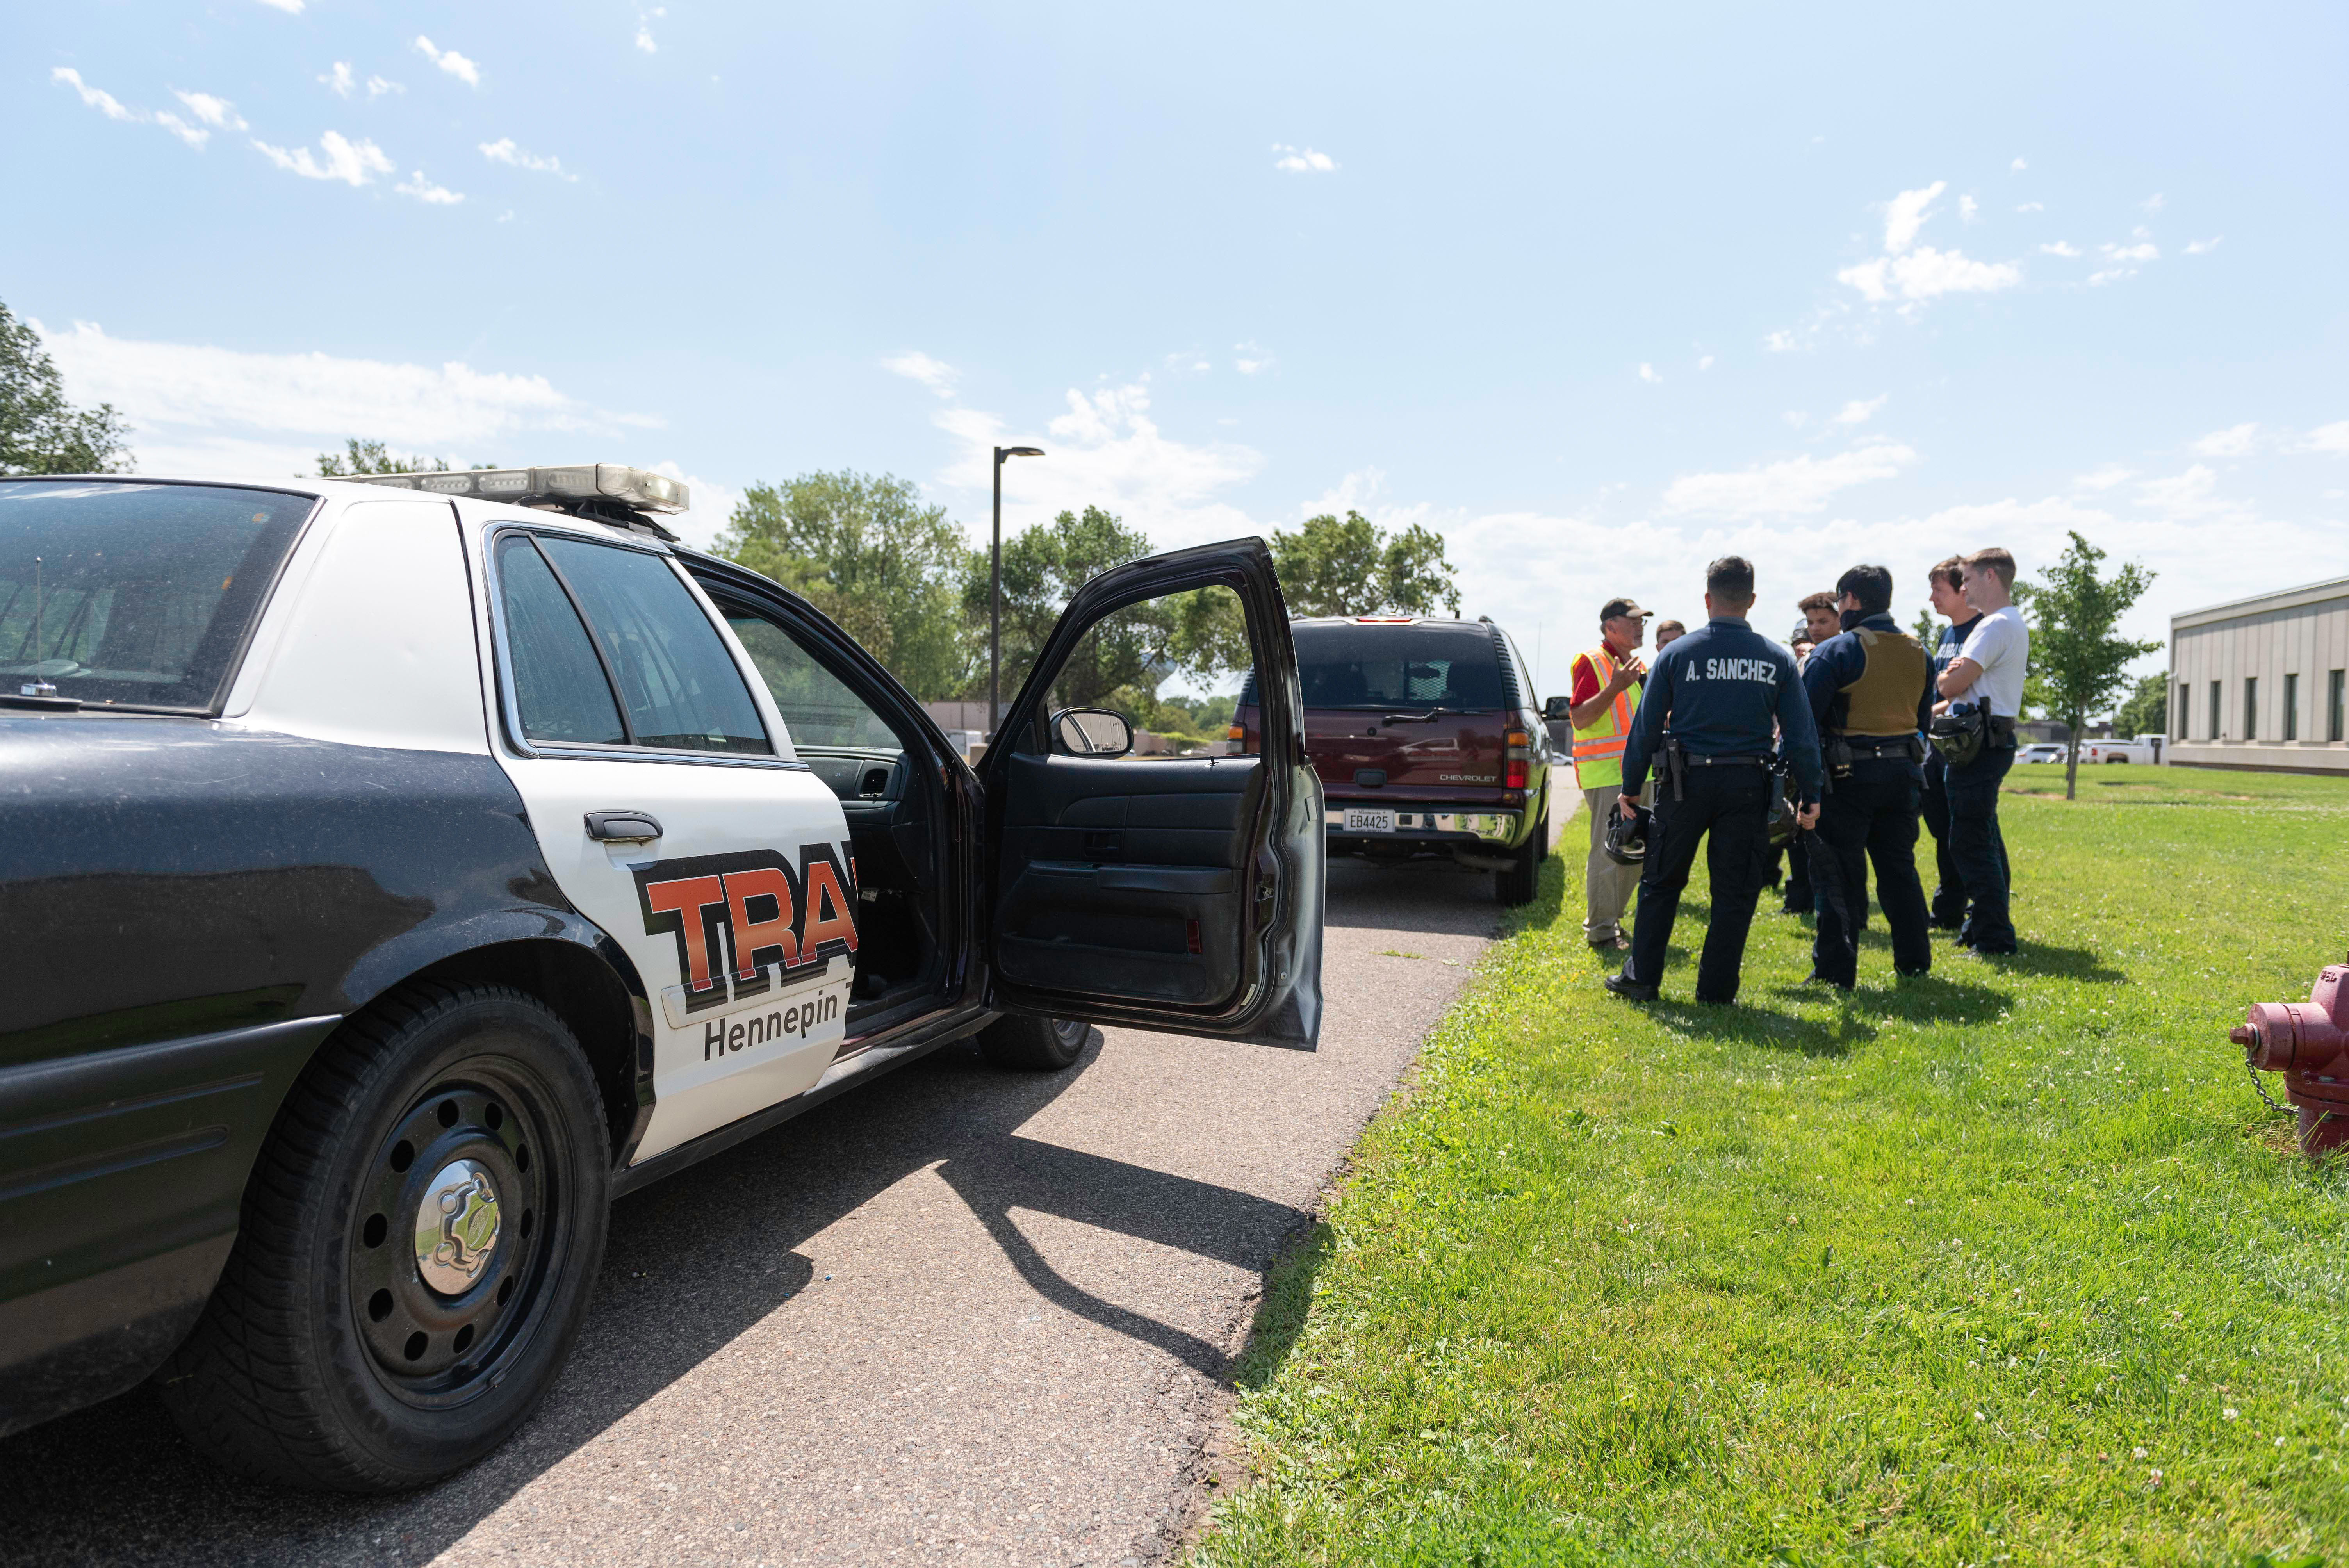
1607	887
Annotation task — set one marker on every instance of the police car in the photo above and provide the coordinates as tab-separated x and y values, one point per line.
391	878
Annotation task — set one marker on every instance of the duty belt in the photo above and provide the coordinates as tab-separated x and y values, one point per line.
1696	761
1903	747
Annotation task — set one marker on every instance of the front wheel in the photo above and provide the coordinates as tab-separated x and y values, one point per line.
1033	1045
418	1242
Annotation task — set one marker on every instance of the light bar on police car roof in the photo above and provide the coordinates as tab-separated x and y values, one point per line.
636	488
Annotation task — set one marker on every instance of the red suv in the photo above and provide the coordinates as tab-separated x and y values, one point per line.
1426	738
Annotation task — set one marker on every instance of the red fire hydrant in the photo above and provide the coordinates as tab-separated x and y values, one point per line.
2308	1042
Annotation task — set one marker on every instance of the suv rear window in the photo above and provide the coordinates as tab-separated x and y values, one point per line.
135	594
1418	666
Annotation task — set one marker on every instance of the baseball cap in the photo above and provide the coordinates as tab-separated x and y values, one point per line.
1615	607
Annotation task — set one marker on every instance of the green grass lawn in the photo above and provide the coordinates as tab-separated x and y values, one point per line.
2005	1265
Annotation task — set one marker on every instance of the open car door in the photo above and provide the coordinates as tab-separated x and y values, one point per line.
1180	893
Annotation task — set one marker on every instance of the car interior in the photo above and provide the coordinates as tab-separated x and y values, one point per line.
1123	875
894	809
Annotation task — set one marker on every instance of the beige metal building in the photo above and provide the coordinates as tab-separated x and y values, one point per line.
2259	682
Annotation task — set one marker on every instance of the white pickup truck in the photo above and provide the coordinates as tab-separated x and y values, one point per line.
2110	750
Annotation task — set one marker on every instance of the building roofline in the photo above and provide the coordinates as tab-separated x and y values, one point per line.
2258	603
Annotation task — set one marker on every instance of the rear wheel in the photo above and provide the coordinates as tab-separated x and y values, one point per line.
1033	1045
1516	884
417	1246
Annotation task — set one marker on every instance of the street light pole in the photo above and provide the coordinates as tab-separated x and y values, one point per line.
995	593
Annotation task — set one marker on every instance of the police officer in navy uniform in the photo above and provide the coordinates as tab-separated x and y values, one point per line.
1720	690
1871	691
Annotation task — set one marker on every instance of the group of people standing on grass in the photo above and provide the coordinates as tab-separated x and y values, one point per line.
1857	731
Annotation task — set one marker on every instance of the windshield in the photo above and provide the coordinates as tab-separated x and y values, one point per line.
1411	668
134	594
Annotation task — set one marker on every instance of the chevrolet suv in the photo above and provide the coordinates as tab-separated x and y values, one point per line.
1426	740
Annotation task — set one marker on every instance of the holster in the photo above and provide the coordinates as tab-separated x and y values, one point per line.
1960	737
1676	768
1839	758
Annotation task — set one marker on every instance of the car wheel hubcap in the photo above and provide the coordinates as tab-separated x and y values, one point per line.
457	1227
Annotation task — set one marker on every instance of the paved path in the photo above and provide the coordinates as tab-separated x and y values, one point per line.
957	1317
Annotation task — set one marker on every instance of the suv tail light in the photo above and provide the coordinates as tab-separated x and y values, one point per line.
1516	755
1236	732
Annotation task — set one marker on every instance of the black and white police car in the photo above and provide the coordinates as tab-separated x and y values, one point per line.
389	879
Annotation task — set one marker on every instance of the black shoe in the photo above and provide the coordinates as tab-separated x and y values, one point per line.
1816	979
1631	990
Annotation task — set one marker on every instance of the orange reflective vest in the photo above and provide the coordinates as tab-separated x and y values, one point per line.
1598	746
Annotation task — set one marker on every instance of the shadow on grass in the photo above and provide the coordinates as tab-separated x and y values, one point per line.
2042	958
1741	1023
1288	1300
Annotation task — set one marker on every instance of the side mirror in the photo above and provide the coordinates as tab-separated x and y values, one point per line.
1554	710
1092	732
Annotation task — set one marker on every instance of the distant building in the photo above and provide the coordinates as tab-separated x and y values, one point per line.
2259	682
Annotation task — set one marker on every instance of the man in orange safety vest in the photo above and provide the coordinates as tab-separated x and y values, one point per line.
1604	697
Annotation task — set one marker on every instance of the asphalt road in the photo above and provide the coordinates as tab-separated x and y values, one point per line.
961	1316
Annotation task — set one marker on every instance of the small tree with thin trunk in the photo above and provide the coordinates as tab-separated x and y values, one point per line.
2081	664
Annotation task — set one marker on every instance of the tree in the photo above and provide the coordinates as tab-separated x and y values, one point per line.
374	458
864	550
1042	570
2082	665
40	432
1352	567
2147	712
1927	629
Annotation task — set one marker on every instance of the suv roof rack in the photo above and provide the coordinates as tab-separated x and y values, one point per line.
609	494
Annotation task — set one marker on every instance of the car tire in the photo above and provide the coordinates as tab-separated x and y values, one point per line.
337	1353
1033	1045
1516	884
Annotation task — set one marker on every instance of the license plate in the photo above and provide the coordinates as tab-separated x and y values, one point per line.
1361	819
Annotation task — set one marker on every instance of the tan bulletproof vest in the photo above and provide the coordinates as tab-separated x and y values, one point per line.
1883	701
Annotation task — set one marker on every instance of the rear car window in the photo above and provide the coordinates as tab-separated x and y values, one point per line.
665	673
1420	667
817	706
137	595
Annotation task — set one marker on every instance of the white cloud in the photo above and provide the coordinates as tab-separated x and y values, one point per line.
645	40
183	129
2143	252
2194	493
450	61
2155	203
1302	159
915	365
2104	479
1800	484
424	190
1906	214
291	7
340	81
2032	207
352	162
216	112
105	103
1779	342
377	86
2203	247
2065	249
503	150
1968	209
1925	273
1648	373
1252	358
2333	438
203	410
2019	165
708	505
1705	362
1858	413
2234	441
1105	451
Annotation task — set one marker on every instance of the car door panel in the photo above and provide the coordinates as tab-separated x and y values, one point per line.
1182	894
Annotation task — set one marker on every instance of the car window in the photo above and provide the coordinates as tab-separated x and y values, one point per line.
818	708
559	684
1418	666
679	688
135	594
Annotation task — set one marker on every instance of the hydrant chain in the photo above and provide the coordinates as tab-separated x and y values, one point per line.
2262	1090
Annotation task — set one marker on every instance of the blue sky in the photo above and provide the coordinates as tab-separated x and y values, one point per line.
1599	292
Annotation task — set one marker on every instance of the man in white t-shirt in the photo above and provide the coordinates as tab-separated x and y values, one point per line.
1987	673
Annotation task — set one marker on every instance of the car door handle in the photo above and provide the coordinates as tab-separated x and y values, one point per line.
623	827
